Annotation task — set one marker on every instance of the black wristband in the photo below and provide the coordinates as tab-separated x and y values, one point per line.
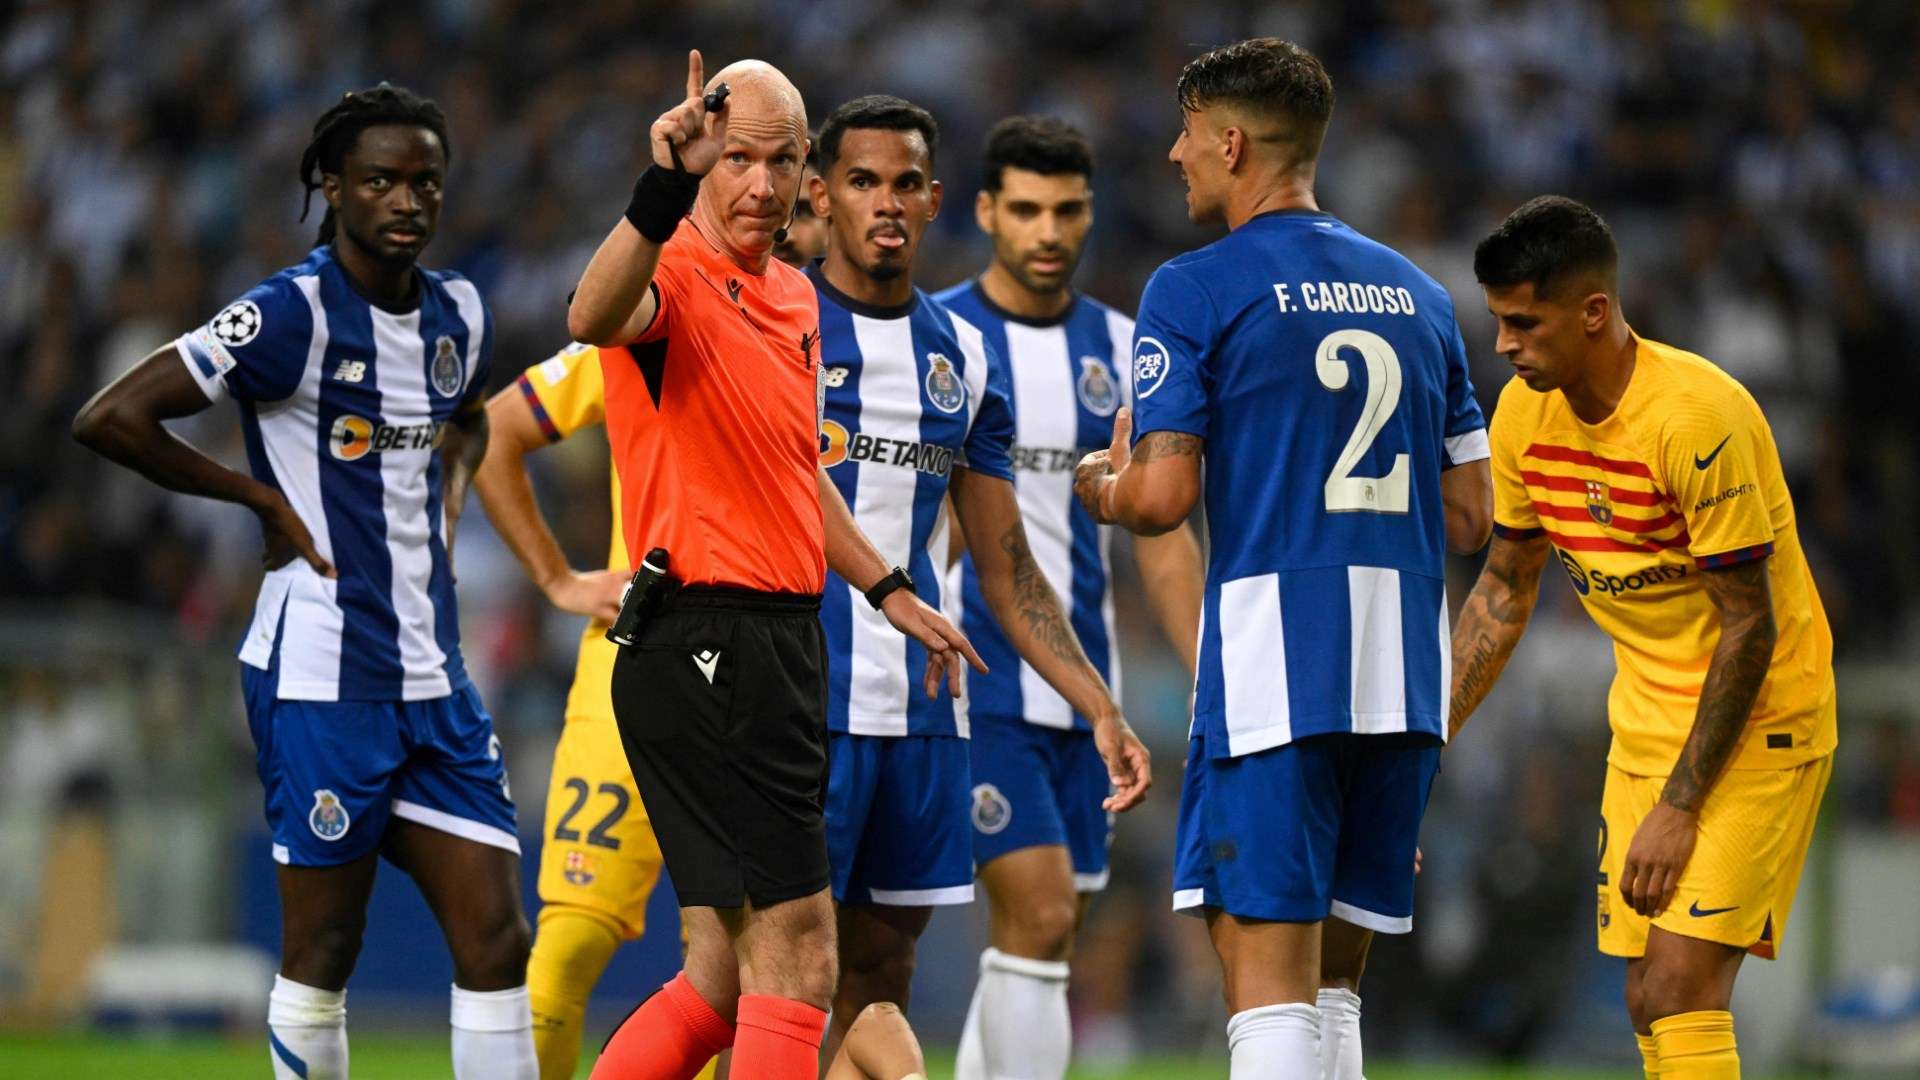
886	586
661	197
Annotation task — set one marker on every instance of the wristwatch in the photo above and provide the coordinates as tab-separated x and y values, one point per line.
899	579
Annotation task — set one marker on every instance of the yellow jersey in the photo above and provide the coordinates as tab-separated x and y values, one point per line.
566	394
1683	477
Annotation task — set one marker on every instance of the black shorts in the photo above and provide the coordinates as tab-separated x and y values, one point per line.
722	707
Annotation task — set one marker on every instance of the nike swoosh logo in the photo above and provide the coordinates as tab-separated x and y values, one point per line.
707	662
1699	912
1702	462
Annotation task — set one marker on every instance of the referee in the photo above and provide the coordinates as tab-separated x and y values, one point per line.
721	702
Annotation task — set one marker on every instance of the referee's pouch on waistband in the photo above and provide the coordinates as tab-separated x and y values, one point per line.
645	595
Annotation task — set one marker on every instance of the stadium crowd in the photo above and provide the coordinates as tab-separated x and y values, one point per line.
1759	158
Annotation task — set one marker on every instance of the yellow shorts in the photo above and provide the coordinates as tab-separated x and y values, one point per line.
600	852
1738	888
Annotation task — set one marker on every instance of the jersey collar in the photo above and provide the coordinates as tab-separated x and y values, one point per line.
859	307
980	294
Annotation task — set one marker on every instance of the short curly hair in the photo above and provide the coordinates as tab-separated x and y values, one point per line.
1269	76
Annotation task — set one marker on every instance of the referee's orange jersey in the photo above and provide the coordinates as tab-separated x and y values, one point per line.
715	423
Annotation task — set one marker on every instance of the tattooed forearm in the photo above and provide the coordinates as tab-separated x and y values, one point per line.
1491	622
1166	444
1734	675
1039	607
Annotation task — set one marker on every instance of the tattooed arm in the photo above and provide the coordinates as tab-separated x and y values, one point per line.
1147	489
1663	844
1492	620
1027	608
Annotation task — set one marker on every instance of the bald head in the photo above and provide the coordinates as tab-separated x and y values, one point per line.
761	101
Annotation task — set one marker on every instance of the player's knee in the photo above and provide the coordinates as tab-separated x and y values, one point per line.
1043	930
324	954
494	954
884	969
1671	989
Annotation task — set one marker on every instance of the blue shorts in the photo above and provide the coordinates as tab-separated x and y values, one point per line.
336	771
1327	825
1034	786
897	819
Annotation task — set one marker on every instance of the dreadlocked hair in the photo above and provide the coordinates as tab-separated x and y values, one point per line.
339	128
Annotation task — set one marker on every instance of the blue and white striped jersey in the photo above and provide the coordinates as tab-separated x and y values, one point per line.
911	393
1067	379
342	405
1329	380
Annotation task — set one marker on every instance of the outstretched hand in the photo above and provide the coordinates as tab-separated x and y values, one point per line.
688	128
1094	478
948	650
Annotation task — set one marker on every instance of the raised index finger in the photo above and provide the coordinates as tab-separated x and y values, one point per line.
696	74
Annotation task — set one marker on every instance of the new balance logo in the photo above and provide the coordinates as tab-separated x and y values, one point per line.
707	660
350	371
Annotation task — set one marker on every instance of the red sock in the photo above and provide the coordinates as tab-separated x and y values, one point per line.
671	1036
779	1038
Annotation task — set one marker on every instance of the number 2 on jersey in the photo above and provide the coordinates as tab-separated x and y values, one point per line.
1345	491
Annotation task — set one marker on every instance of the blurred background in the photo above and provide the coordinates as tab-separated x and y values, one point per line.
1759	160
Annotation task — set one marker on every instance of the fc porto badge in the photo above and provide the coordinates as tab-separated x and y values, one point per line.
1599	505
328	819
446	367
1096	387
944	387
991	810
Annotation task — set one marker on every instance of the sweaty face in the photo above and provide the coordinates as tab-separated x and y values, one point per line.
1199	153
1543	338
879	198
1039	226
386	197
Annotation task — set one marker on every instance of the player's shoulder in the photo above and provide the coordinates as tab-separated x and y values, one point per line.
1431	297
1690	394
1519	410
959	297
457	288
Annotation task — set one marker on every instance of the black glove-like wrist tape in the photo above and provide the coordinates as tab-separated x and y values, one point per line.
661	197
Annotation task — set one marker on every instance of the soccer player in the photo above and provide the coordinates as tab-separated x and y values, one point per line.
1323	377
1652	477
601	859
360	380
916	408
1040	835
721	699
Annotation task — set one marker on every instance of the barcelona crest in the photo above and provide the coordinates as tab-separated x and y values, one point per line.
578	870
1599	505
944	387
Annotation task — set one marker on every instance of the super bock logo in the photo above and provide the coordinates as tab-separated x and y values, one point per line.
446	367
1096	387
1599	505
328	819
944	387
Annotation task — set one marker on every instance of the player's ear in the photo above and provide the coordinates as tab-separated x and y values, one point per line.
330	190
983	211
1593	314
934	193
817	196
1233	148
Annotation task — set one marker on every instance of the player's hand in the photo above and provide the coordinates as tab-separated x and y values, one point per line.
1129	765
948	650
595	594
287	537
1097	474
1660	850
689	127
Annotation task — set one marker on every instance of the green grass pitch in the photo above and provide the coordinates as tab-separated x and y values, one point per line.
390	1057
